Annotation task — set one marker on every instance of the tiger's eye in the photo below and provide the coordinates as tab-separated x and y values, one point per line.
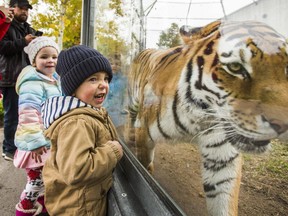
234	67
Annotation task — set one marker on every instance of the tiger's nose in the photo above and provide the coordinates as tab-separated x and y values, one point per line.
279	126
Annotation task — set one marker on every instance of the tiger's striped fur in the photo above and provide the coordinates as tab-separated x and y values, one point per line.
226	89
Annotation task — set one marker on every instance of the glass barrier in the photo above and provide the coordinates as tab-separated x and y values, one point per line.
199	93
215	75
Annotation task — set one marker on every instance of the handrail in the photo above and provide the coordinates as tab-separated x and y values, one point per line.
136	193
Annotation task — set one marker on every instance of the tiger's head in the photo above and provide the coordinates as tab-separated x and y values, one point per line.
240	77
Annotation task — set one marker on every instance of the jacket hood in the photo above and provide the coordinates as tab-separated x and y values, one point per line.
29	73
56	107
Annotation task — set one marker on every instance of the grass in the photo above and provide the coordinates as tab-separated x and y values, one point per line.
277	164
273	164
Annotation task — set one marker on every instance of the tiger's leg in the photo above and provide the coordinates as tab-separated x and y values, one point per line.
138	142
221	173
144	149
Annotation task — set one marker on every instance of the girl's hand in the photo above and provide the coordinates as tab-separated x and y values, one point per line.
36	154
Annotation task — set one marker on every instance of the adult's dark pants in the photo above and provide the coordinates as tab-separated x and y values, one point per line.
10	105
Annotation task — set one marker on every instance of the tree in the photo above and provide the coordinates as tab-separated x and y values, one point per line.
60	18
109	37
170	37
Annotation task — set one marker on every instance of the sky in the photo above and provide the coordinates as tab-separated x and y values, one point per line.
198	13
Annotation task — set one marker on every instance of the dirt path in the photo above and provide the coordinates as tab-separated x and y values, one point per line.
177	168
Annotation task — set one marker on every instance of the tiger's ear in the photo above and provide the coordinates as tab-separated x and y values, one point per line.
188	33
210	28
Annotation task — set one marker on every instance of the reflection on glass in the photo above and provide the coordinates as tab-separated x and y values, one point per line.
223	88
116	101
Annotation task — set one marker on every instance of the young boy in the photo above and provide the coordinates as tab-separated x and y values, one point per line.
84	146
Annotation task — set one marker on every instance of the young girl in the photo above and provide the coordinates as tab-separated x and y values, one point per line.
35	84
84	146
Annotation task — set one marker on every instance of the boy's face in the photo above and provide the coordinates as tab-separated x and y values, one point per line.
94	89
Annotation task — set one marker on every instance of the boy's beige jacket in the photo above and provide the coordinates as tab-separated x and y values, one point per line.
78	174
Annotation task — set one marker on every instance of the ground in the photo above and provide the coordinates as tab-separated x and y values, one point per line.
177	168
264	189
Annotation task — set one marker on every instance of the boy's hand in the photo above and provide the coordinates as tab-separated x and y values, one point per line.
119	148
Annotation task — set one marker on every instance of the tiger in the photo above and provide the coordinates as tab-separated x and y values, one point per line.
225	89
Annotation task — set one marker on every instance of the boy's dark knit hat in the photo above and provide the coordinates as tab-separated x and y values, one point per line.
77	63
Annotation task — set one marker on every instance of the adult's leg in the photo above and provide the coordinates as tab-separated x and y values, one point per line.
10	105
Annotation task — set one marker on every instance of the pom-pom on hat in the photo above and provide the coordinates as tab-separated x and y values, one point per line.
77	63
38	43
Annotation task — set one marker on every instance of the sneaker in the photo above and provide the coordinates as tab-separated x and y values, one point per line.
3	154
9	156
